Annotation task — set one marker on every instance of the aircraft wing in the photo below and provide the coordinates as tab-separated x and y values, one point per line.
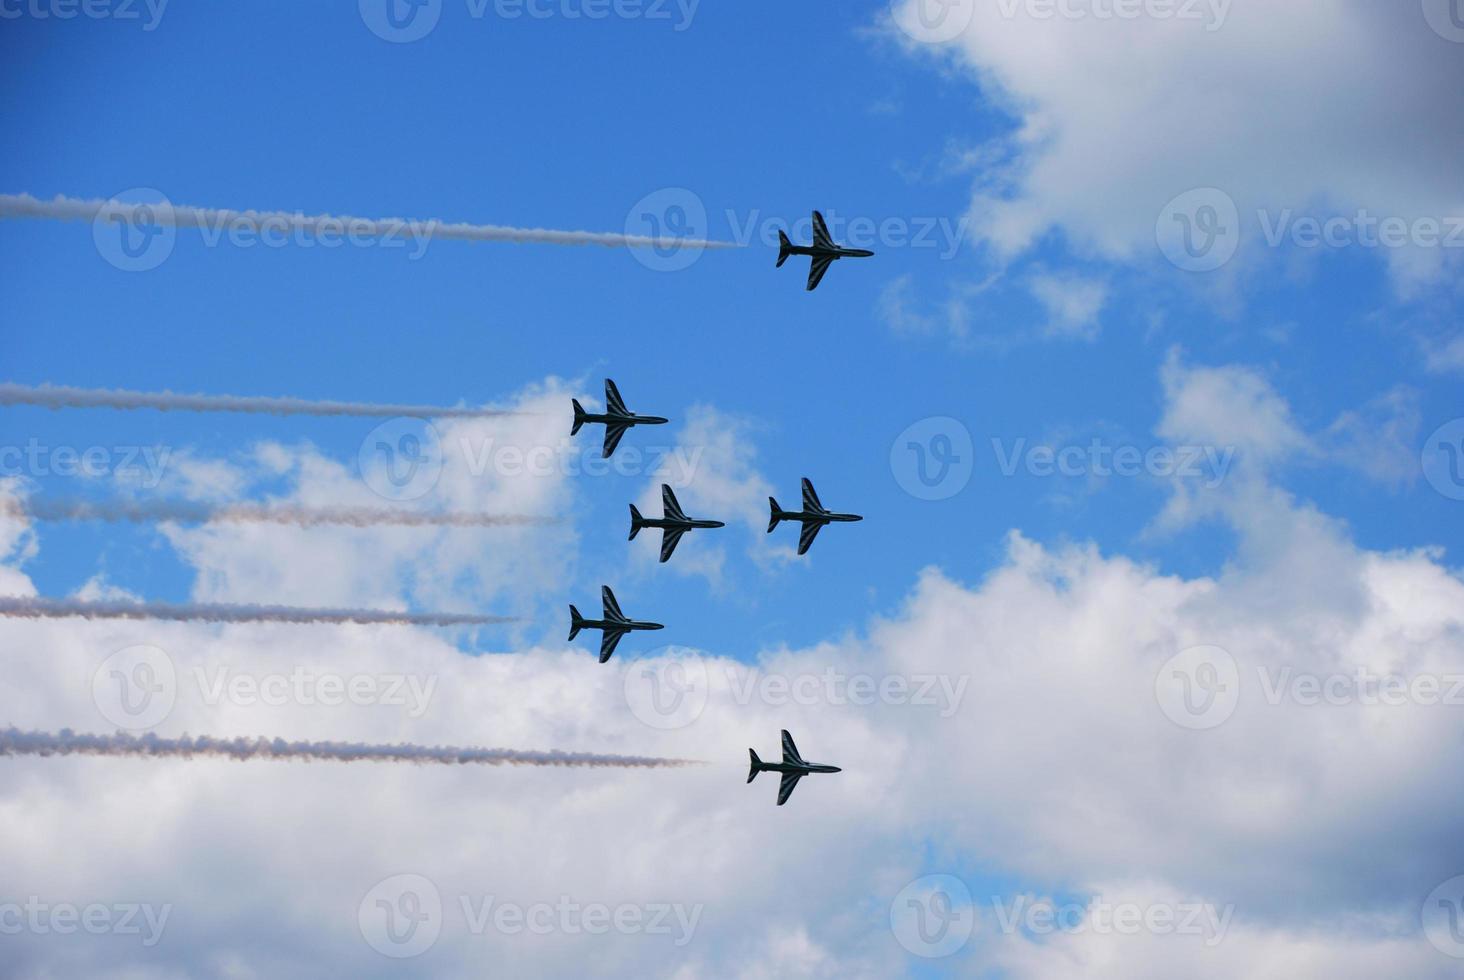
816	270
669	537
786	787
810	498
805	538
790	751
612	608
614	404
613	433
821	236
670	508
608	640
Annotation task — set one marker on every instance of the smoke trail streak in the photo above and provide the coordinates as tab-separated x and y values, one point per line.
298	516
14	742
30	607
62	396
215	221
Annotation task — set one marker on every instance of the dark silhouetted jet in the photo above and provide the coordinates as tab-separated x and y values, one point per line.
792	767
613	626
673	523
823	251
617	418
813	517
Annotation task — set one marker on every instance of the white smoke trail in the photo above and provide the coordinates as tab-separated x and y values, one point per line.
32	607
295	515
14	742
61	396
215	221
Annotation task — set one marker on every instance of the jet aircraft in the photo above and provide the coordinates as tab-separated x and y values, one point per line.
823	251
673	522
615	624
617	418
792	767
813	517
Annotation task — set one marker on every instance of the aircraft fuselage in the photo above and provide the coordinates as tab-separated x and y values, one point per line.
665	523
806	517
829	253
612	626
801	768
625	419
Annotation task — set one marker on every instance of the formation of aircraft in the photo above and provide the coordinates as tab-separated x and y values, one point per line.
814	516
673	522
617	418
823	252
614	626
793	768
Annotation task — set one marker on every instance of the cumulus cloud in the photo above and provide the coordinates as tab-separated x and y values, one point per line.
1316	109
1053	770
719	481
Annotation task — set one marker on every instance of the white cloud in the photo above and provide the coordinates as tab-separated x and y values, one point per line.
718	480
1072	303
1320	108
1323	825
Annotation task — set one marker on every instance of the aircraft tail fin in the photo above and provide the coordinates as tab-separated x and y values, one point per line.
579	416
636	522
576	622
776	516
757	765
785	248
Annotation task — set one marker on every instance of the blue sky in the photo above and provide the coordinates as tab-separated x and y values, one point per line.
758	112
557	123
